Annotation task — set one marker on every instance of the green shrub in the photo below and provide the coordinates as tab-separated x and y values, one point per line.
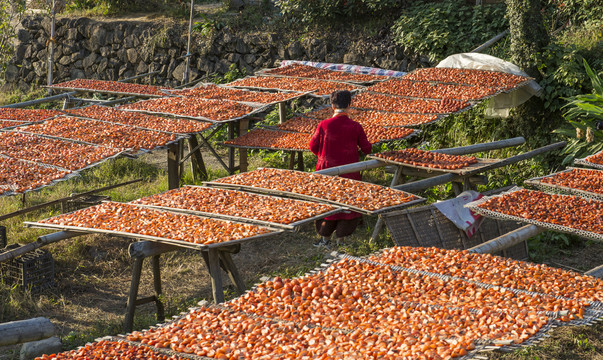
583	113
449	27
560	64
308	11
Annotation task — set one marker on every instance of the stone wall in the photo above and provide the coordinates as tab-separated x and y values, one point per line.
113	50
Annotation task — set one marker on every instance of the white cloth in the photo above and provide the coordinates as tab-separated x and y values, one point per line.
455	211
500	104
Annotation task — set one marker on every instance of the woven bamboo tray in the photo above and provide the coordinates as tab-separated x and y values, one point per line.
201	118
266	72
466	171
588	163
290	226
97	91
315	199
168	241
299	94
518	85
474	206
538	183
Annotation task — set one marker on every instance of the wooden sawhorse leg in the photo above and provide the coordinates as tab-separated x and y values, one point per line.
217	259
139	251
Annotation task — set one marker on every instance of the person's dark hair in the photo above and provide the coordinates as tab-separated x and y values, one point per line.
341	99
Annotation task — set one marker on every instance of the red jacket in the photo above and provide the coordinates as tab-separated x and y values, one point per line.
336	142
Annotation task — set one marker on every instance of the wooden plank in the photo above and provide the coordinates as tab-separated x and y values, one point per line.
17	332
143	249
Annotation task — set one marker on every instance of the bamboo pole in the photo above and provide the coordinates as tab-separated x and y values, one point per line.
42	241
505	241
40	101
520	157
22	331
490	42
426	183
494	145
596	272
463	150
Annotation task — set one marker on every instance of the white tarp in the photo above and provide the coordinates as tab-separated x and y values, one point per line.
500	104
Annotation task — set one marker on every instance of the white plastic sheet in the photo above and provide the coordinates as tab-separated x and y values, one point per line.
499	105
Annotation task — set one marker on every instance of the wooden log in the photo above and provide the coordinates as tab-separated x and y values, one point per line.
379	224
300	160
596	272
42	240
17	332
505	241
291	160
232	271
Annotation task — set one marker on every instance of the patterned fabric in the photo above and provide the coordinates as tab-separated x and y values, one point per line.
346	67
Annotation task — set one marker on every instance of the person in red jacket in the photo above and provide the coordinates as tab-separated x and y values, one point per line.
336	142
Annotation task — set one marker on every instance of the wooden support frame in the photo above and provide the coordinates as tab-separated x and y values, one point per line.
243	128
216	260
198	168
173	165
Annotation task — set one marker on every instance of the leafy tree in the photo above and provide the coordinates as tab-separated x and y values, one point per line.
448	27
528	33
